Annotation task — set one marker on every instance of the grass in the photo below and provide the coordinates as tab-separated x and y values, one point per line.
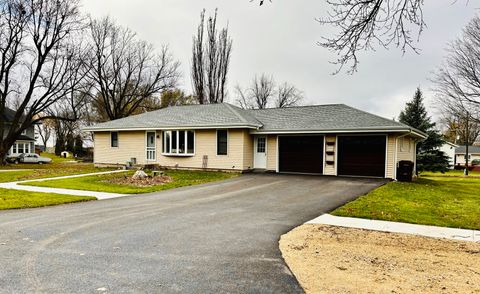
100	183
59	167
452	173
446	200
14	199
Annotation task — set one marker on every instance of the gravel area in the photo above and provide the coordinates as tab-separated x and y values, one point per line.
328	259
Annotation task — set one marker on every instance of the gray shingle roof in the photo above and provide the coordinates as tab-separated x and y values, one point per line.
471	149
202	116
322	117
335	117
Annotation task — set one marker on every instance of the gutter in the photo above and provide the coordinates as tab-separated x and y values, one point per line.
110	129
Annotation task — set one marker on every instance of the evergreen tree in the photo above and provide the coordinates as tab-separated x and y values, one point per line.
428	157
415	115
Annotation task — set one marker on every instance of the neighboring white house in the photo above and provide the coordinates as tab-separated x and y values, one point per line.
449	150
460	153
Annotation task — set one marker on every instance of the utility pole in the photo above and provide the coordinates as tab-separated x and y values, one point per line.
467	123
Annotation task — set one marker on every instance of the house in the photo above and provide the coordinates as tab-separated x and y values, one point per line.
325	139
460	154
25	143
449	150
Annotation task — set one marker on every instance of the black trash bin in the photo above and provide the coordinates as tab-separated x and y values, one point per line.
405	171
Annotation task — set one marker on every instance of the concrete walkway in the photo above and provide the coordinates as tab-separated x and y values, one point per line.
396	227
98	195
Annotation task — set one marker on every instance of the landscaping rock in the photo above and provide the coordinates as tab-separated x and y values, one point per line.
139	175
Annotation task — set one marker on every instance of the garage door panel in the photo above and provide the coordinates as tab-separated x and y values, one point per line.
361	155
301	154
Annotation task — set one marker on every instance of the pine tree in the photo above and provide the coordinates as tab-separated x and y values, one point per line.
428	157
415	115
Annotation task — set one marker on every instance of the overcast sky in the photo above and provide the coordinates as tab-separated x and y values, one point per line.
280	38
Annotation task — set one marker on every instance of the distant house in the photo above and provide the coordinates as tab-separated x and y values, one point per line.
322	139
25	143
460	154
449	150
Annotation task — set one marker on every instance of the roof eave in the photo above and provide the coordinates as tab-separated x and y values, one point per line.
111	129
352	130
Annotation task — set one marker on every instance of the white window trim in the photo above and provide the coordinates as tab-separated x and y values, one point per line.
178	141
118	140
216	142
26	146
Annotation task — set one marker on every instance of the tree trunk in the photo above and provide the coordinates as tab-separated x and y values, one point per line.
3	153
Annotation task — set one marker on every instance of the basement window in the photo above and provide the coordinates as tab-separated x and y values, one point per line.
178	143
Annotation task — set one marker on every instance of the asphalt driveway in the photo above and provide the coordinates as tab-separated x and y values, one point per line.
214	238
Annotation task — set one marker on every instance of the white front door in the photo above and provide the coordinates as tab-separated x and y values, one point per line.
151	146
260	152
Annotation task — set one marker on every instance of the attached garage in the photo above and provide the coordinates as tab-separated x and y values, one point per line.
300	154
361	156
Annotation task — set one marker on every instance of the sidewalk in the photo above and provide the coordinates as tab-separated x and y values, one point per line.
98	195
396	227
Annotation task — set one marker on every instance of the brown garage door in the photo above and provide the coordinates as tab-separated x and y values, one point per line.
301	154
361	156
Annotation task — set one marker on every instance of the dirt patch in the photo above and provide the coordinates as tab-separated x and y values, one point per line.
327	259
146	182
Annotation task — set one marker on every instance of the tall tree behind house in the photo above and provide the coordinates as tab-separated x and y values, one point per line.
210	61
263	92
429	158
126	72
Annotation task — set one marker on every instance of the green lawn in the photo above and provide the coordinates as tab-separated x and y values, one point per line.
14	199
100	182
435	199
58	167
452	173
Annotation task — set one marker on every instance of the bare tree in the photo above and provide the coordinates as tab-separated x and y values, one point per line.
458	80
259	94
210	61
457	124
264	93
65	131
126	71
363	24
44	130
288	96
40	61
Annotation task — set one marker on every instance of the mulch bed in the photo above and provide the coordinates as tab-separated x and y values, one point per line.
146	182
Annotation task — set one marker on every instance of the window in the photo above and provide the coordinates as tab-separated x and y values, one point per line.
166	142
261	145
24	132
114	139
190	142
179	143
222	142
